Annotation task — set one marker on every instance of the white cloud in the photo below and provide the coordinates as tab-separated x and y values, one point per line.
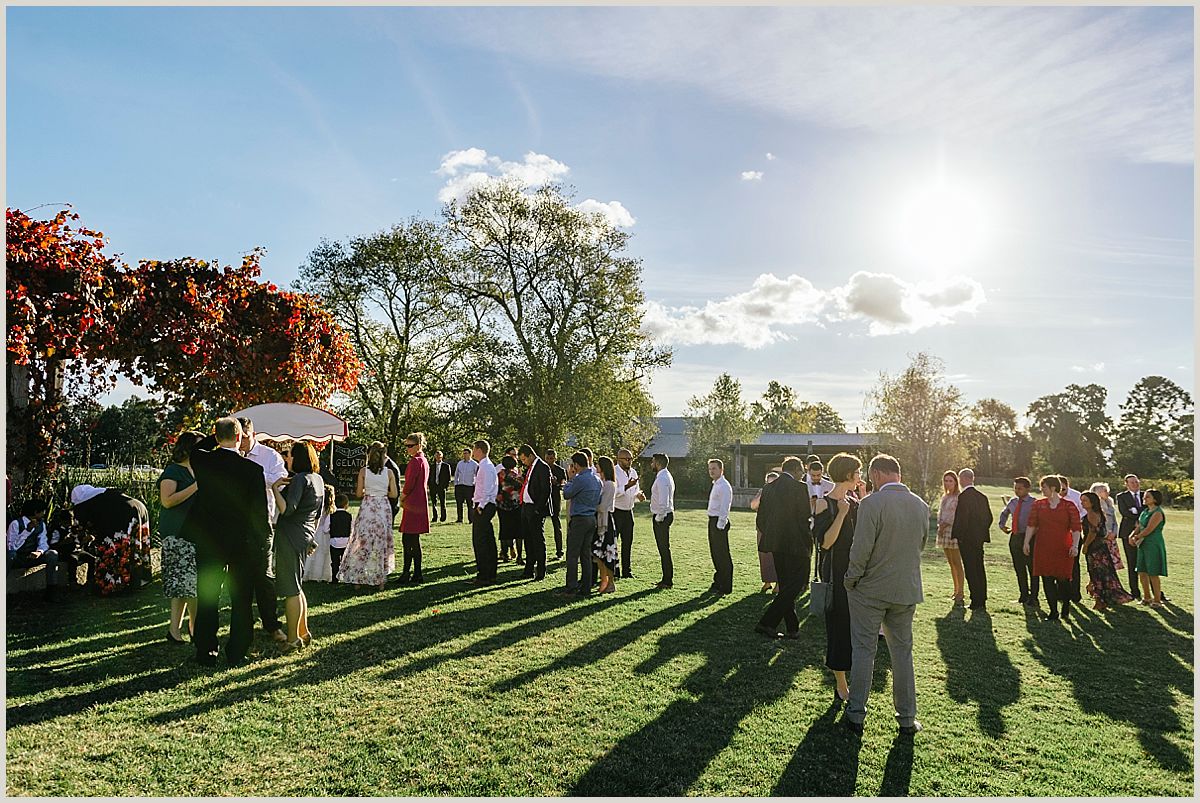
771	157
614	211
1100	81
752	175
1094	368
534	170
761	315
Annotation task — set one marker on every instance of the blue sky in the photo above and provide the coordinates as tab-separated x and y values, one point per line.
815	193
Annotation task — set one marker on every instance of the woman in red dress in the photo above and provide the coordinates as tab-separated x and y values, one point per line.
1054	534
414	502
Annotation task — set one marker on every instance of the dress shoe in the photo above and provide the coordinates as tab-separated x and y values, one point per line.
206	659
838	699
664	584
417	579
910	730
558	555
852	726
279	635
766	631
979	607
520	561
234	663
794	635
174	640
539	576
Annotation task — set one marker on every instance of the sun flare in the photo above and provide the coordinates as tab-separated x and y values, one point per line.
943	226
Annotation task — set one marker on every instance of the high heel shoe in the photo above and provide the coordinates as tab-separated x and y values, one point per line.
292	646
174	640
307	639
838	699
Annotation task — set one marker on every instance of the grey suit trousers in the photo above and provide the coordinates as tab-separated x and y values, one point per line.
866	615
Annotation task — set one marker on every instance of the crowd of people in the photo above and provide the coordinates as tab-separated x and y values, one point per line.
236	513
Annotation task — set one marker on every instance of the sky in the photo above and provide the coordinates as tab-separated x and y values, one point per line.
815	194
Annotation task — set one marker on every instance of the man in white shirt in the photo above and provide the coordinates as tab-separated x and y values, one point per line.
464	485
720	500
1074	497
662	508
483	503
28	545
273	469
627	494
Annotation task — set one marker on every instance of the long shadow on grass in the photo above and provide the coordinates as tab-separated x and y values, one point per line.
825	763
668	755
1141	662
976	668
337	660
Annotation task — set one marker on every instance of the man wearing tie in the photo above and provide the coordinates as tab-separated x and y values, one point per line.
439	481
228	524
1129	505
535	507
1018	509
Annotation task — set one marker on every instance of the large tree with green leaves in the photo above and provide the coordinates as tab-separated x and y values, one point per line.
419	342
1071	430
1155	434
560	305
923	417
780	411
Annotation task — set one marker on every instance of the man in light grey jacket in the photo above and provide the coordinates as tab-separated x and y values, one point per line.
883	586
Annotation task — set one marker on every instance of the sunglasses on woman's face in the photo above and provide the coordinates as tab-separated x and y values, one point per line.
410	446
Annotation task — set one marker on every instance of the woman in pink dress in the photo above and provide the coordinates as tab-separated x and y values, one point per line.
414	506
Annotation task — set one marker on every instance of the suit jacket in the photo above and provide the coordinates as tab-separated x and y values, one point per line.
439	478
783	512
1130	506
973	518
229	513
558	476
885	556
539	487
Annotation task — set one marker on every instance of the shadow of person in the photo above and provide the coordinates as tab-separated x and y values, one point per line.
1127	667
976	668
736	676
825	763
897	771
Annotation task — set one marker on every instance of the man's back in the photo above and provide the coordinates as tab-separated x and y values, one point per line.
885	557
230	508
783	512
972	518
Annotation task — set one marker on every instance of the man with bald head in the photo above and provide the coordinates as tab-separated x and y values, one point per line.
228	523
972	526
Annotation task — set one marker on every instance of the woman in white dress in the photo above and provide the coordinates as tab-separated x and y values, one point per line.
371	554
317	566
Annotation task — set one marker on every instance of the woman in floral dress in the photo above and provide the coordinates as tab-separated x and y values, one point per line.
605	552
176	487
1105	586
371	553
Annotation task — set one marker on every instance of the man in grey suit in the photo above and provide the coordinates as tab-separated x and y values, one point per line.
883	586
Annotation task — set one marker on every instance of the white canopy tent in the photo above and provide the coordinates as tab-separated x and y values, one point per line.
280	421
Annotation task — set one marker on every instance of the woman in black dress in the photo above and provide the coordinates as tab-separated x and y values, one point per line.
833	530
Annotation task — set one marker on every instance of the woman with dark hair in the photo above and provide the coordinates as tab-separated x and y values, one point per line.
298	500
766	561
414	502
945	541
176	486
605	552
1055	522
508	509
834	519
1105	586
371	552
1152	548
120	526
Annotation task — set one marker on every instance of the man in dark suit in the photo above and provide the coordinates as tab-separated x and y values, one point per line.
1129	506
228	524
783	520
535	507
972	525
439	481
558	475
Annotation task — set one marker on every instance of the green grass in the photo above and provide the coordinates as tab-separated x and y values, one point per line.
445	689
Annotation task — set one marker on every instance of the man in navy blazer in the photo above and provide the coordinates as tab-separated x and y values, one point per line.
228	524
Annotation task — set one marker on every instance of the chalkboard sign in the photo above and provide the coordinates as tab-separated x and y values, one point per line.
348	458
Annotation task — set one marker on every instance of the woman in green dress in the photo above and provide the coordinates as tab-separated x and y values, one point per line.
1152	548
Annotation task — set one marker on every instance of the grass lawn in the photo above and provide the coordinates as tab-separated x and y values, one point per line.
445	689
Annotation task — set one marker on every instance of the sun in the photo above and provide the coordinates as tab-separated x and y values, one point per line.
943	226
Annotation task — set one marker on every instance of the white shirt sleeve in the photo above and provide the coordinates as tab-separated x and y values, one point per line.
15	534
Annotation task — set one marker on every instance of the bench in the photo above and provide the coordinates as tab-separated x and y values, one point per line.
34	578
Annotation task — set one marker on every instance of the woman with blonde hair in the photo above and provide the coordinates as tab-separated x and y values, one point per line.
945	542
371	552
414	502
1109	509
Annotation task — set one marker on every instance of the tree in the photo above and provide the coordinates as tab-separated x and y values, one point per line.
561	306
922	415
992	427
1070	430
419	341
819	417
1154	437
130	433
780	411
202	337
715	420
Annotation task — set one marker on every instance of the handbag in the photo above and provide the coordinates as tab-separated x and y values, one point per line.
820	592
